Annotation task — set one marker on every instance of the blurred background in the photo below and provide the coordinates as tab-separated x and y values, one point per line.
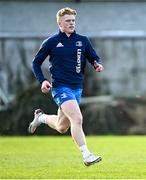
114	101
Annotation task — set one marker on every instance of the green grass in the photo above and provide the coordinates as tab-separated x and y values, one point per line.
124	157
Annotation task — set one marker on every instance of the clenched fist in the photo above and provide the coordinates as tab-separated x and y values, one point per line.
45	88
98	67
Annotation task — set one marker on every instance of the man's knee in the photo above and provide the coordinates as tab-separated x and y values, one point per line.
62	129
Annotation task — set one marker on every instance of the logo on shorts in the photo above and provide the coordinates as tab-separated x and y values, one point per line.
63	95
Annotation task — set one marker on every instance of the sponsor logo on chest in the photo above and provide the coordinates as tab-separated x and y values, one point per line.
78	66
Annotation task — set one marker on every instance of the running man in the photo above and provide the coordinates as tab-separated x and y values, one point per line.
67	53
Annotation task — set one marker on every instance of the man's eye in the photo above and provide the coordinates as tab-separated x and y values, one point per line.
70	20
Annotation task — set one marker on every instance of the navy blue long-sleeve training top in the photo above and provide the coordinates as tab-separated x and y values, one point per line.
67	59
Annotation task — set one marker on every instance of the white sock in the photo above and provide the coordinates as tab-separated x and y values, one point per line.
43	118
84	150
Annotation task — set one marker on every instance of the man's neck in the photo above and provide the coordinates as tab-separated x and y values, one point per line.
67	34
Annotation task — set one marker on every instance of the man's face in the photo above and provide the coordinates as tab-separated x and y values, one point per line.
67	23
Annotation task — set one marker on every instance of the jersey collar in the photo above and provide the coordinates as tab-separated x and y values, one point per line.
64	35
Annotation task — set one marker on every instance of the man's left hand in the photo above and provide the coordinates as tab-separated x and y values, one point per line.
98	67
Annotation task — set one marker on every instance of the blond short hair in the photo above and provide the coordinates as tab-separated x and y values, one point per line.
65	11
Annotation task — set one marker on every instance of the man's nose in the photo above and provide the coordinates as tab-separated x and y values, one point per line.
72	22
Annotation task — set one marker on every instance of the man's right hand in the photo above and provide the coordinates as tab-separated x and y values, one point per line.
45	88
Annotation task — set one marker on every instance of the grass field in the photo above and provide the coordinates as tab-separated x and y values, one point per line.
124	157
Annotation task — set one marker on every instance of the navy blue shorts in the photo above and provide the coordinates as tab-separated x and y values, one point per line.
62	94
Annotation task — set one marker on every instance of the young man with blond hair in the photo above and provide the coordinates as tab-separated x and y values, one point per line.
68	52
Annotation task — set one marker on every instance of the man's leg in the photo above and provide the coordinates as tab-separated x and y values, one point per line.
58	122
72	111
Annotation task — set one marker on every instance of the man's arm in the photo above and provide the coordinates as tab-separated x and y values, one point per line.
38	60
92	57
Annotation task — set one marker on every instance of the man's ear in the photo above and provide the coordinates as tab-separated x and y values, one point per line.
59	24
